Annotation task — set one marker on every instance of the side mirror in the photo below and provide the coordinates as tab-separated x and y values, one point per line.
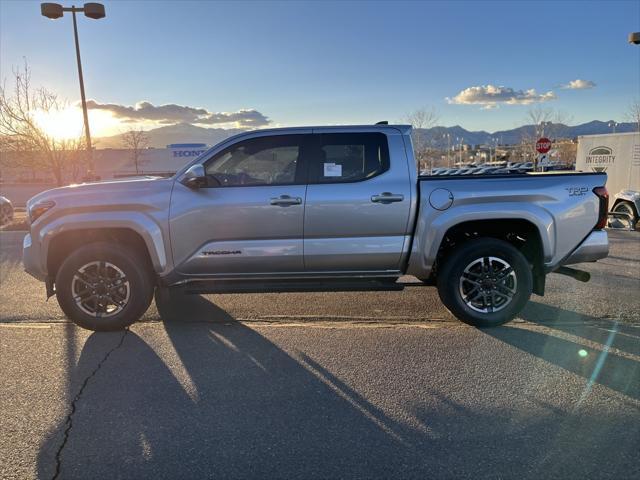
194	177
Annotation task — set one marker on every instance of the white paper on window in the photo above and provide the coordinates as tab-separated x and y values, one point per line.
332	170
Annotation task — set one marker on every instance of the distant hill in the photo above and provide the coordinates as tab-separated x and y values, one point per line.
436	136
180	133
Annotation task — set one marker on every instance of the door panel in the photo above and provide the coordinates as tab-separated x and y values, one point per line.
353	253
236	230
353	224
240	225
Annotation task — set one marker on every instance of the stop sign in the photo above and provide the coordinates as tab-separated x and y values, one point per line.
543	145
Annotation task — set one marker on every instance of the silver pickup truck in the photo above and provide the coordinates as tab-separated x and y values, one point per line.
312	209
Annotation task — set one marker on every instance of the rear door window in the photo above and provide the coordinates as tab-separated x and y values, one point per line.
348	157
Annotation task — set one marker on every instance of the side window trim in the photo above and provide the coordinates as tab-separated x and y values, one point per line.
313	155
301	173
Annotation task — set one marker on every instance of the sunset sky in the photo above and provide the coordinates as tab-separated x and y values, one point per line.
252	64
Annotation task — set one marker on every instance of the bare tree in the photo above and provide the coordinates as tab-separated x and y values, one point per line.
539	117
633	112
567	151
421	119
546	122
136	141
20	133
557	129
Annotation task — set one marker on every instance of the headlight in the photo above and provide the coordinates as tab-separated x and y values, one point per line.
38	209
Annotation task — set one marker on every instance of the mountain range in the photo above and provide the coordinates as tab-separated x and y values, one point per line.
435	136
179	133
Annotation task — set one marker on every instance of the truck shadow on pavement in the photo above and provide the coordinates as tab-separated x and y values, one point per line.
570	346
211	397
239	407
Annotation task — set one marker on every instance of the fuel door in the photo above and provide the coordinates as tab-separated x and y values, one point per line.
441	199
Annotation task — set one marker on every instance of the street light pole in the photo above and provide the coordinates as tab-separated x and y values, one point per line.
449	150
85	114
91	10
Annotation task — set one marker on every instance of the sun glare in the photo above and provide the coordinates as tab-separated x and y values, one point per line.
67	123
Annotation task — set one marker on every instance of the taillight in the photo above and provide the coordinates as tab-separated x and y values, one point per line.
603	196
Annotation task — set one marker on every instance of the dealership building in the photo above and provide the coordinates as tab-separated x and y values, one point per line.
19	182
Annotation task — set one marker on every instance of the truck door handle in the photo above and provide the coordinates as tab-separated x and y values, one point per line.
387	197
285	201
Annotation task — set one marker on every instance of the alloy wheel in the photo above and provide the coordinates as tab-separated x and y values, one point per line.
488	284
100	289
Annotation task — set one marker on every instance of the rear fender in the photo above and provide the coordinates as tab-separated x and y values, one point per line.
432	228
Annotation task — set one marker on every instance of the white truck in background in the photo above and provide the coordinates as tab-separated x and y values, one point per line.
617	155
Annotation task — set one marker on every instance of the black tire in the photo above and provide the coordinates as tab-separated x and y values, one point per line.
451	273
139	285
627	207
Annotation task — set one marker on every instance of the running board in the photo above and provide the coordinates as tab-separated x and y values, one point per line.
245	286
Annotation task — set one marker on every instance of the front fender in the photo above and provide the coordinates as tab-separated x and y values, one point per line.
433	226
144	226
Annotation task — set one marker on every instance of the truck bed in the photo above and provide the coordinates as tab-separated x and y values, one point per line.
560	206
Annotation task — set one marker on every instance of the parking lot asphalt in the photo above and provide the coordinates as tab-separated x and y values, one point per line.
350	385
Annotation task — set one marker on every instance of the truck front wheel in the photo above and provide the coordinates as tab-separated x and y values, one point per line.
103	287
485	282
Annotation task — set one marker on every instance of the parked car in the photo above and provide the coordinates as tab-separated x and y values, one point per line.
311	209
6	211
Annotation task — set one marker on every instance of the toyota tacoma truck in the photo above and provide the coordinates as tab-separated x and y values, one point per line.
312	209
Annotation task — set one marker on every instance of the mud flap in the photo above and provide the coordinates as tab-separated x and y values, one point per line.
539	281
51	291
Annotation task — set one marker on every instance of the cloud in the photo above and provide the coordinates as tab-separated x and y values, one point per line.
171	113
578	84
491	96
244	118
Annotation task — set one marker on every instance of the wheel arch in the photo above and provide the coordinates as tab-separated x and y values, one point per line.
63	244
133	228
521	233
433	227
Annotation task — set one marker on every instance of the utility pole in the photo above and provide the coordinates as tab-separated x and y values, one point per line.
83	98
448	135
95	11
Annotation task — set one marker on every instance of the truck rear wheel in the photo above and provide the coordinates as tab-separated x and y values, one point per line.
485	282
103	287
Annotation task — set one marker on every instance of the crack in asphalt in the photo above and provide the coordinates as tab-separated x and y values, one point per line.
76	399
